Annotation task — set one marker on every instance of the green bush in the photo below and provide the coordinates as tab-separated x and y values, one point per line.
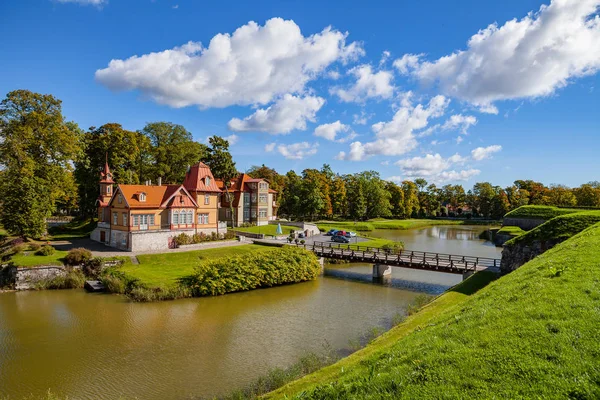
78	256
93	267
229	235
234	274
45	250
118	282
34	246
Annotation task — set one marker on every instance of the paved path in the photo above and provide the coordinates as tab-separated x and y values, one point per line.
101	250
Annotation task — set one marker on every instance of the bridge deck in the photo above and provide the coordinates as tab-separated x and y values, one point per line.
450	263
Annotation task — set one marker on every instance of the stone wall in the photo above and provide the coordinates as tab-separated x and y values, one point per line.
526	224
27	277
516	255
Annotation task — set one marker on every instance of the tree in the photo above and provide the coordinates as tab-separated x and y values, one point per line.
377	199
484	194
221	164
396	198
338	196
312	199
411	199
173	149
500	204
560	195
357	206
36	147
290	199
128	154
319	184
587	195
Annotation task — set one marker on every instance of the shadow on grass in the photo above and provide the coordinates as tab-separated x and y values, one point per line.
474	283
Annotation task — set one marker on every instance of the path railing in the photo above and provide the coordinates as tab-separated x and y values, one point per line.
408	258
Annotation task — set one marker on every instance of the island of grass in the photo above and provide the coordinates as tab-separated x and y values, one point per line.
530	334
513	231
165	270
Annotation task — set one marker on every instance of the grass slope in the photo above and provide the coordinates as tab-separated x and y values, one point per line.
510	230
72	230
560	228
164	270
530	334
540	212
383	224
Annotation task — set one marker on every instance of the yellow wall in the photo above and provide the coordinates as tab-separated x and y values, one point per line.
210	209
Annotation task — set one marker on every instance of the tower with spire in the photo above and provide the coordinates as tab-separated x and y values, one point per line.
106	185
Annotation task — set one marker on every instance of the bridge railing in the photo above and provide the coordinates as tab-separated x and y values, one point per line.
412	256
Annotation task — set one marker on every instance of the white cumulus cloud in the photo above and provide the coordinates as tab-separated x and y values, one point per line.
297	151
435	168
270	147
368	84
407	63
459	122
527	58
481	153
253	65
330	131
286	114
397	137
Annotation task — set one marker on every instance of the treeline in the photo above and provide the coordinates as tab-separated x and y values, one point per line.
49	165
322	193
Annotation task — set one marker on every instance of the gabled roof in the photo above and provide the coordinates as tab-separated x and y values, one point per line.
195	179
240	183
156	196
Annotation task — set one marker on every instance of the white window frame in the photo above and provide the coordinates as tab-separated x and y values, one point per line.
262	213
207	199
246	198
142	197
246	214
207	181
203	219
254	197
120	198
263	198
115	218
136	220
228	213
125	222
175	218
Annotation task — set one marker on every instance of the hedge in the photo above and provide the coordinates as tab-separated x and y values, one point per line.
237	273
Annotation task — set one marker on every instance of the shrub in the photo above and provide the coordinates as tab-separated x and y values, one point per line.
118	282
34	246
238	273
302	241
78	256
93	267
393	247
45	250
214	236
183	239
229	235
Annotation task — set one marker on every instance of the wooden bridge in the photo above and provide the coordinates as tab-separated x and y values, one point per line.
383	259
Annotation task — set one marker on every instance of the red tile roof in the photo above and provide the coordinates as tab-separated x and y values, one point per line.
156	196
195	179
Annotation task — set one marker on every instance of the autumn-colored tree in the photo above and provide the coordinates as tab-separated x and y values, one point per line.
221	164
338	196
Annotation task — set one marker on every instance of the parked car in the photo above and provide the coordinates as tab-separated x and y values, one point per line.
331	232
350	234
301	235
340	233
340	239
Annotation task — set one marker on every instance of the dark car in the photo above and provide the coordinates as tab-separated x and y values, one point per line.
340	239
331	232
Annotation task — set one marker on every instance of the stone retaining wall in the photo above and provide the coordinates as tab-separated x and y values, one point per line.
212	245
526	224
27	277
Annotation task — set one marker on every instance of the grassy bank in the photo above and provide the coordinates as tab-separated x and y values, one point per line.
164	270
540	212
558	228
269	229
513	231
73	230
384	224
530	334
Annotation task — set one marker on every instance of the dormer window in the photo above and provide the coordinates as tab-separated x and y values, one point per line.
181	199
120	198
207	181
142	197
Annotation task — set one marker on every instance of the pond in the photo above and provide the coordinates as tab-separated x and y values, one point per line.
91	346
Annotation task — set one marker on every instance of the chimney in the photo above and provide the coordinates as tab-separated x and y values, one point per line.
160	181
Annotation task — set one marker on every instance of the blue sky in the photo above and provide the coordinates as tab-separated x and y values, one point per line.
426	88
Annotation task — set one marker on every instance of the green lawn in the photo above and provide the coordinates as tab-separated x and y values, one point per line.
268	229
162	270
530	334
511	230
74	229
32	260
383	224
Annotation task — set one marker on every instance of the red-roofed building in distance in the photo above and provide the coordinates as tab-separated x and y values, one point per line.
252	199
148	217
